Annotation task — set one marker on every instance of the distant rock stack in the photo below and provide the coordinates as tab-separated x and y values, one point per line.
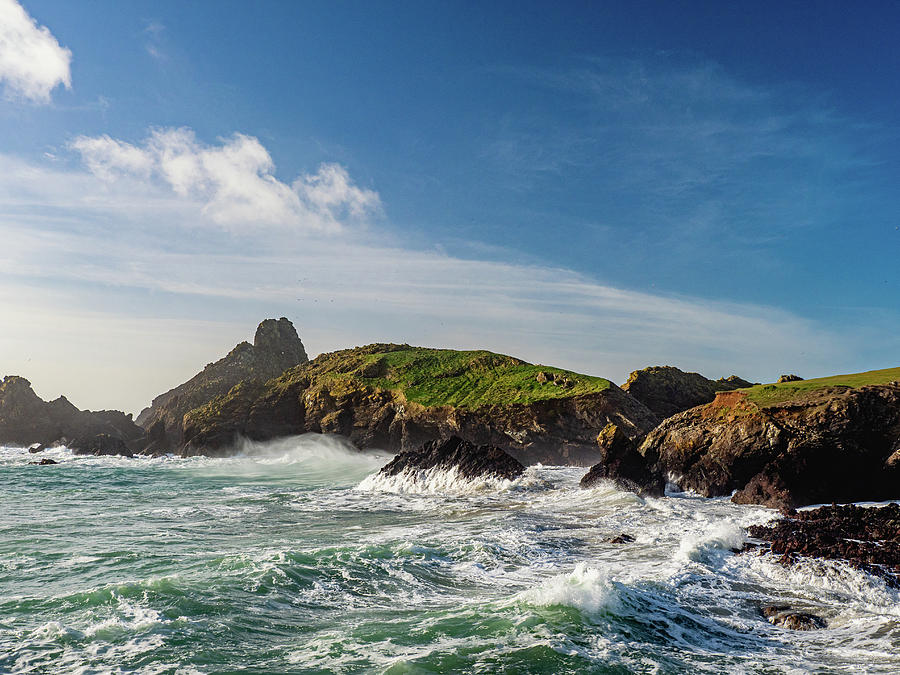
668	390
26	419
276	347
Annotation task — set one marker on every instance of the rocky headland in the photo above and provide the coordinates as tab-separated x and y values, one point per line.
26	419
276	347
783	445
397	397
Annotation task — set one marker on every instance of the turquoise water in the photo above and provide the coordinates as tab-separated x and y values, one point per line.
291	560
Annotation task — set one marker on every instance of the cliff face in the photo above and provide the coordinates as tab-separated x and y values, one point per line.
276	347
25	418
396	397
781	446
667	390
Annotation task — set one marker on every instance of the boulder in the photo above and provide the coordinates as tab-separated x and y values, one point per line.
782	615
789	378
621	463
471	461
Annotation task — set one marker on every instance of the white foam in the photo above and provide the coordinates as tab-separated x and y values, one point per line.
724	536
446	481
585	588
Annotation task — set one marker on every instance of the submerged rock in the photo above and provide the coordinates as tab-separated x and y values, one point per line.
867	538
782	615
45	462
471	461
620	539
100	444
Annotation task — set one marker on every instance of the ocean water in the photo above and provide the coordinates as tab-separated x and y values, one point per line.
294	558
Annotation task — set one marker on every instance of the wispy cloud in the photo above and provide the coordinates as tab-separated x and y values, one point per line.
32	62
234	180
692	150
153	33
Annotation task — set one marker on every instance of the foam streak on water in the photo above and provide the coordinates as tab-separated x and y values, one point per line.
293	558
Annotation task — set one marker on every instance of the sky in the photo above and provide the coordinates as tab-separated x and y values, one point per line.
599	186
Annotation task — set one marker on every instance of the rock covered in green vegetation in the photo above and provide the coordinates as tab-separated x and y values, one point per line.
26	419
667	390
396	397
785	445
276	347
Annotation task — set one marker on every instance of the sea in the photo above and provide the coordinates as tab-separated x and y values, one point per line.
296	557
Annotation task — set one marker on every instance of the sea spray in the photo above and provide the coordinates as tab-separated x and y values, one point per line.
277	561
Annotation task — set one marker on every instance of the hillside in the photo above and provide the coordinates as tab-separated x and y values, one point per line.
397	396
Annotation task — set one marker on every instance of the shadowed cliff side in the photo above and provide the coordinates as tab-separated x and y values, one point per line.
396	397
276	347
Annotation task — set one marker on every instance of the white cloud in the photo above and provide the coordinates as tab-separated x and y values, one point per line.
232	181
32	62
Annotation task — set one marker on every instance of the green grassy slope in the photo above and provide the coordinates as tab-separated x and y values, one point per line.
772	394
437	377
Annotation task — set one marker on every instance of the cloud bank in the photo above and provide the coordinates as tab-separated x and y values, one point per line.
32	62
233	181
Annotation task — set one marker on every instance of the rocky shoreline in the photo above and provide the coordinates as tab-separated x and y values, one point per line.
865	537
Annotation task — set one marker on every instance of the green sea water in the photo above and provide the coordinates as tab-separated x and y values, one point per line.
293	559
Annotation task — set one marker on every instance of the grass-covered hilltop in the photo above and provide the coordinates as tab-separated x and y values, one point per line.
397	396
764	395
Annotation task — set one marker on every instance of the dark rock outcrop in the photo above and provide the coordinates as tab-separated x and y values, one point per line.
397	397
789	378
276	347
46	461
667	390
25	419
621	462
817	446
784	616
471	461
867	538
100	444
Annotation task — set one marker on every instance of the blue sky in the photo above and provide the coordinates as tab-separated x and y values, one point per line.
600	186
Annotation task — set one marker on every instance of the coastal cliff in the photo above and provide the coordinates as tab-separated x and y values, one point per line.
781	445
397	397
